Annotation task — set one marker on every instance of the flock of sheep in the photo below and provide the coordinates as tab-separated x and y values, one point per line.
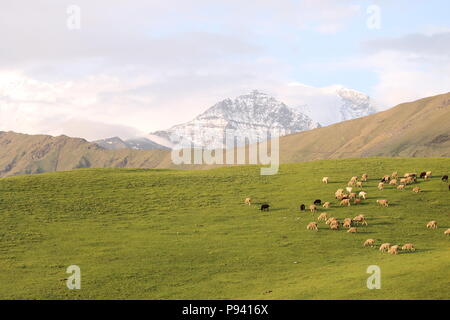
345	198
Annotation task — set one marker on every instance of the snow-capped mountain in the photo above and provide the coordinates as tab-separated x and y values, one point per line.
331	104
116	143
252	116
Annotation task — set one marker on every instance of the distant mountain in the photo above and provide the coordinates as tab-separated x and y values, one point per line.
116	143
252	115
333	104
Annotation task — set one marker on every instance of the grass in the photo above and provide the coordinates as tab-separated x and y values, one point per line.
166	234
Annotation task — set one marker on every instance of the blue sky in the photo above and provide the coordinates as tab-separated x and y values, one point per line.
132	67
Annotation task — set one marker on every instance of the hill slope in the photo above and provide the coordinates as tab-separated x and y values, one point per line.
415	129
164	234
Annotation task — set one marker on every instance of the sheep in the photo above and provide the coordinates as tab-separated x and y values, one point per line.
322	217
403	180
384	247
349	189
393	182
364	177
362	194
352	230
360	219
265	207
326	204
416	189
342	196
429	174
445	178
351	184
381	186
383	203
394	175
329	220
338	193
325	180
393	249
352	195
356	201
345	202
248	201
302	207
312	226
447	232
423	175
359	184
334	225
408	247
385	178
354	178
432	225
410	180
313	208
318	202
369	243
401	187
347	223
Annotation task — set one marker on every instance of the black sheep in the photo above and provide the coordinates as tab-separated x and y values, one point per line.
302	207
445	178
265	207
318	202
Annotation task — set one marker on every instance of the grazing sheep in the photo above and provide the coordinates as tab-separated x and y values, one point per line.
363	195
325	180
359	184
322	217
383	203
401	187
302	207
334	225
360	219
347	223
345	202
330	220
447	232
394	175
393	249
369	243
429	174
408	247
444	178
423	175
364	177
381	186
385	178
318	202
351	184
338	193
326	204
349	189
248	201
393	182
313	208
352	195
312	226
403	180
356	201
416	189
354	178
352	230
432	225
265	207
384	247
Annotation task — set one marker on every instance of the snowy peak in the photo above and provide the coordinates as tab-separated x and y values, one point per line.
252	115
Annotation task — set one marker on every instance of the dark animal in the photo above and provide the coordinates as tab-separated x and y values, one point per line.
302	207
423	174
265	207
385	179
318	202
445	178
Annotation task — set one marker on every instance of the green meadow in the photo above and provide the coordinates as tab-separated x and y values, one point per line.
169	234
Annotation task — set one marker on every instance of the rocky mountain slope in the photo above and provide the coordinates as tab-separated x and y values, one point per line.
116	143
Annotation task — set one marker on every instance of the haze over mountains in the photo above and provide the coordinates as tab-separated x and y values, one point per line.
414	129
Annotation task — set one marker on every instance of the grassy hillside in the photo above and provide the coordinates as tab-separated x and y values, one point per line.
163	234
414	129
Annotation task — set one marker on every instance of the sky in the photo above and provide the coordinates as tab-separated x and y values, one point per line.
97	69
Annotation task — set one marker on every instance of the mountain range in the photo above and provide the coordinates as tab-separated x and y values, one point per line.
415	129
